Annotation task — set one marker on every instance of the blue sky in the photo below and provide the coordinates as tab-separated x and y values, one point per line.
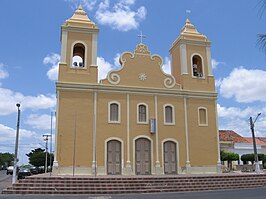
30	51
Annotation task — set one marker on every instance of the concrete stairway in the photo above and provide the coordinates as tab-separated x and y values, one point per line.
135	184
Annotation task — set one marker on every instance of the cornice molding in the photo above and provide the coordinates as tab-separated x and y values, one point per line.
79	29
133	90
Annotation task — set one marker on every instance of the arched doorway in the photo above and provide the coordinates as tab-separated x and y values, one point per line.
170	163
114	157
143	156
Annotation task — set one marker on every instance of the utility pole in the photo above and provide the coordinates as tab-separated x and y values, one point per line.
46	151
16	148
257	164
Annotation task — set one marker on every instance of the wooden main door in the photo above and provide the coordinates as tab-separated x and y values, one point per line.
114	157
143	156
170	157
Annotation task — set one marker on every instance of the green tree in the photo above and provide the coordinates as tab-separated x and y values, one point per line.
250	157
37	157
247	157
229	157
6	159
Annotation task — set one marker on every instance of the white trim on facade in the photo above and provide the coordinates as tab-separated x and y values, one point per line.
94	162
183	57
135	90
85	53
55	163
202	63
134	152
119	112
94	49
128	129
147	113
186	130
209	61
206	115
63	46
219	166
177	153
122	152
157	163
173	114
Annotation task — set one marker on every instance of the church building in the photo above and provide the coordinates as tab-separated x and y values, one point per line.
139	120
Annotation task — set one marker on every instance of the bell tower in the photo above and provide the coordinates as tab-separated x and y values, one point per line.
78	62
191	60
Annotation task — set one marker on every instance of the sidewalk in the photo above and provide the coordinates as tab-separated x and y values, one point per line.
5	180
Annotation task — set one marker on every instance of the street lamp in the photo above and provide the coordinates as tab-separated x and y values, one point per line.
46	149
16	148
257	164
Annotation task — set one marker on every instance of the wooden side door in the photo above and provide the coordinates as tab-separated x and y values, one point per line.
114	157
170	163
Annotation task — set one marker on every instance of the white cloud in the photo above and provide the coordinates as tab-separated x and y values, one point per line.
237	119
116	60
216	63
52	60
244	85
234	112
3	73
167	65
120	16
9	99
103	67
86	4
40	121
7	135
27	141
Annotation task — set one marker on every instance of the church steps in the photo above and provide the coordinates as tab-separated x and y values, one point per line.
112	185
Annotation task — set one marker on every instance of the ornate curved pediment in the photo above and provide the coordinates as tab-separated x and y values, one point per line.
140	69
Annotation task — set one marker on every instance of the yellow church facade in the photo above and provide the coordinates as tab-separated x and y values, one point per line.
139	120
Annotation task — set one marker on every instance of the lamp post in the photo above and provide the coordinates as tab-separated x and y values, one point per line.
16	148
257	164
46	151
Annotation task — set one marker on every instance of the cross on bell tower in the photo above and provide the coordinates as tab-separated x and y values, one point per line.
141	37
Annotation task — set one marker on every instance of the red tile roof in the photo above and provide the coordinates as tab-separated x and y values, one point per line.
259	141
229	135
232	136
262	139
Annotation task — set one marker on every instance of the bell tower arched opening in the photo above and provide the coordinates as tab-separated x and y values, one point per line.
78	58
197	66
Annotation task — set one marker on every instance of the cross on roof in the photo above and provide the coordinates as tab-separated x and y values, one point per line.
141	36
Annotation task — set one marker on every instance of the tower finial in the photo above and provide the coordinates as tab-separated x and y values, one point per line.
80	7
141	37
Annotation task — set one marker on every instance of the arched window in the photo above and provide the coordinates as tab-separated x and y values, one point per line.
114	112
197	66
78	58
142	113
168	114
203	118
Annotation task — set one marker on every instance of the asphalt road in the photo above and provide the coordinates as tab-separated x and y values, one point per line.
229	194
260	193
5	180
